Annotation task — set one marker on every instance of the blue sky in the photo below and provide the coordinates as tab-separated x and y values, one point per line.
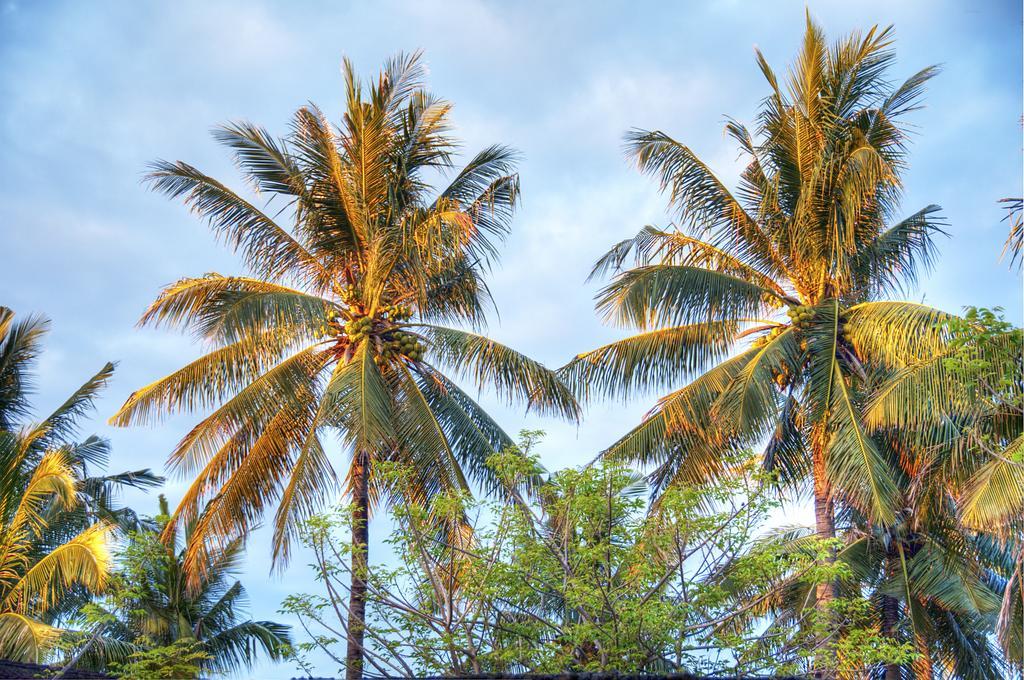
91	92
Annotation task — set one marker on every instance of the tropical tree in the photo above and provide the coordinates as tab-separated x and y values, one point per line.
582	575
810	232
151	610
55	517
931	588
961	410
337	328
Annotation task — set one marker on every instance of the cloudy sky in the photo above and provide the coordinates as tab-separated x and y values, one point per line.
91	92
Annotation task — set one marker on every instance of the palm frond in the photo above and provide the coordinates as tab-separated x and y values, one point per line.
230	308
24	639
84	560
511	374
670	295
995	493
268	248
651	360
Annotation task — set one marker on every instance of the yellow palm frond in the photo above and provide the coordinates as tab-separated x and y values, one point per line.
84	560
52	480
995	493
23	638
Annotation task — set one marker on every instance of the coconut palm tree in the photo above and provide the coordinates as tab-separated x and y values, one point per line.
811	232
152	604
932	587
55	517
337	327
960	411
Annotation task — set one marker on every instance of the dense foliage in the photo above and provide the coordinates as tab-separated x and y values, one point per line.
580	573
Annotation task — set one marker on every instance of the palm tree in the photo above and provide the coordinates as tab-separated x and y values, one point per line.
810	232
960	410
932	586
336	328
152	604
55	518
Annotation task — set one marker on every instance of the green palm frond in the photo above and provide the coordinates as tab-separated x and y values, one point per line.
512	374
230	308
891	261
701	198
995	492
680	437
752	401
268	248
787	451
363	396
20	344
856	466
472	434
239	646
265	161
656	246
424	432
25	639
61	425
655	295
652	360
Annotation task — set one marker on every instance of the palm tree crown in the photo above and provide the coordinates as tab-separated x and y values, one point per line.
809	232
156	604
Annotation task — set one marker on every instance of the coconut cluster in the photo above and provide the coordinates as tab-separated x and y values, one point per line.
801	316
389	341
358	329
397	343
397	312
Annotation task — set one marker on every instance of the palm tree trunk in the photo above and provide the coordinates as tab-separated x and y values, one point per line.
357	594
824	520
890	614
824	516
923	663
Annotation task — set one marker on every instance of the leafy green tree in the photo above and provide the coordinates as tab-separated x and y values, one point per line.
337	328
811	233
182	658
582	574
55	517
